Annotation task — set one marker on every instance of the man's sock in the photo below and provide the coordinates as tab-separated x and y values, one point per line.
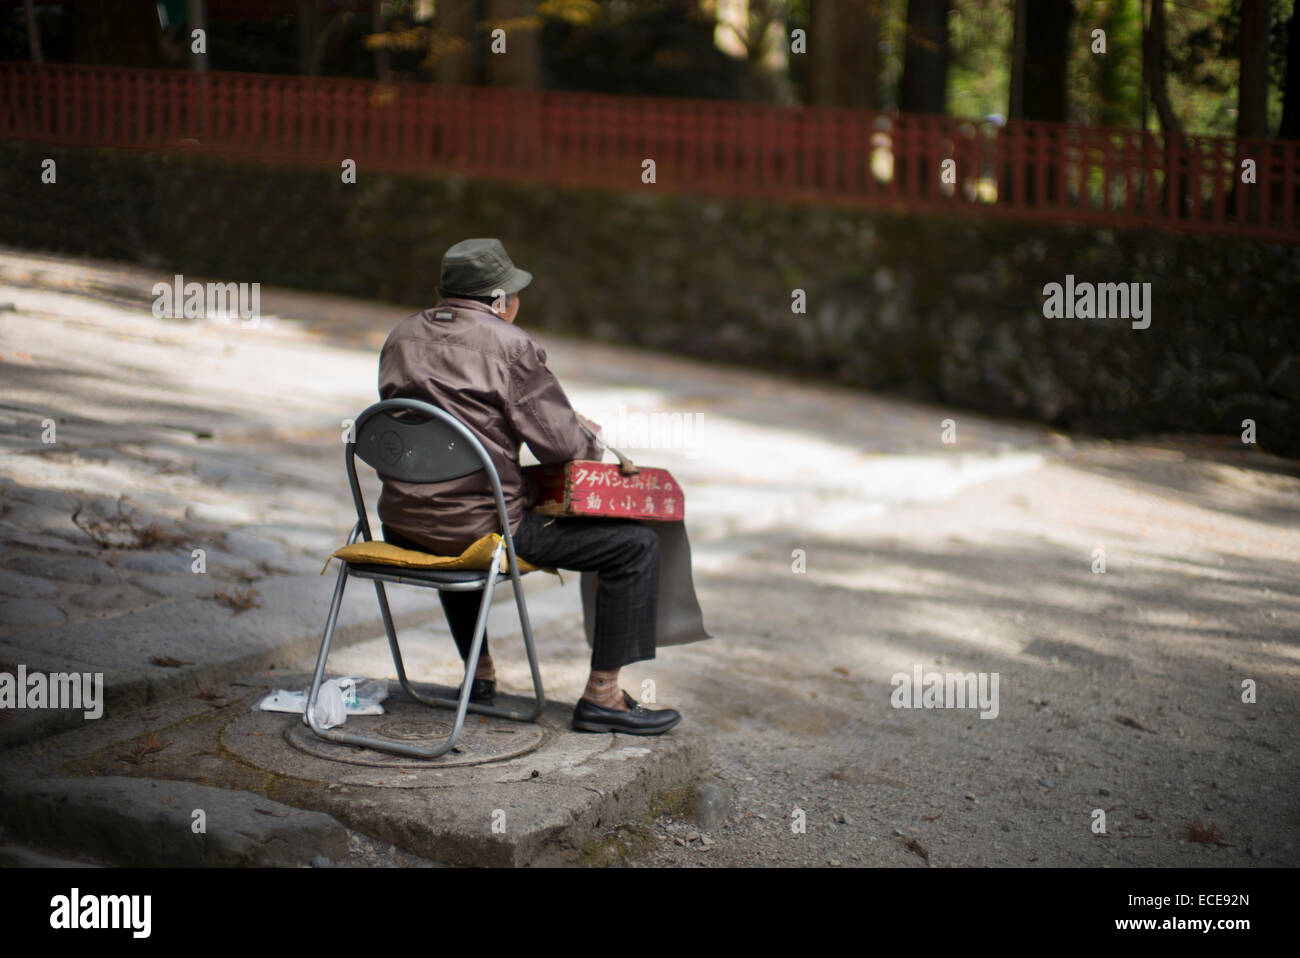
602	689
485	669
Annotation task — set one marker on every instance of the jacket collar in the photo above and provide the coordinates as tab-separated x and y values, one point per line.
456	303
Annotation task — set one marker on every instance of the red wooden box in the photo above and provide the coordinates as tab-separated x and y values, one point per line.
585	488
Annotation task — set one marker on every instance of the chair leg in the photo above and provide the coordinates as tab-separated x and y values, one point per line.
480	627
391	631
539	697
461	705
318	675
352	738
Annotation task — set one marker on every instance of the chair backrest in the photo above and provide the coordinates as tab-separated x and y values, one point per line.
434	448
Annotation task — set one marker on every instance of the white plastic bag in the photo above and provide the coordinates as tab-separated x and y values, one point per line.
338	698
331	703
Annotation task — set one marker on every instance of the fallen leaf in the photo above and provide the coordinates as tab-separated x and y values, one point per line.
237	600
166	661
147	746
1198	831
1132	723
916	848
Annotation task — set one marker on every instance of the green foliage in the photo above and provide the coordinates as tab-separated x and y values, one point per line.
1203	47
979	73
1106	88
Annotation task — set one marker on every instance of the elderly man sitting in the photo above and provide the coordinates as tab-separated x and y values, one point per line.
467	356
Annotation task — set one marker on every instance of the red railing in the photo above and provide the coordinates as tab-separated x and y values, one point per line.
1050	171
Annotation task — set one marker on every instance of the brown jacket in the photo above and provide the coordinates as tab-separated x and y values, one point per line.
492	376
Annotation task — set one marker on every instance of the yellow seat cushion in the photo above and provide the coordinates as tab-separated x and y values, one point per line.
478	555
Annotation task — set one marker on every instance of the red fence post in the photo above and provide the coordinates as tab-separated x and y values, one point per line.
1290	183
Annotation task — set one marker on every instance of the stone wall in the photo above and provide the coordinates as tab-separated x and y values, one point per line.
945	308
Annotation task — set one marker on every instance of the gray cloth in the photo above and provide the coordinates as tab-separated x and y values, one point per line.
679	619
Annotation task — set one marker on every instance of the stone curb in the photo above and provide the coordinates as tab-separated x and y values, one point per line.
139	690
146	822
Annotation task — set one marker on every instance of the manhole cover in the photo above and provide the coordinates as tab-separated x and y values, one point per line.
481	740
491	750
414	731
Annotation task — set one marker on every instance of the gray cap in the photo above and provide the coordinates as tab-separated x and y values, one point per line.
480	267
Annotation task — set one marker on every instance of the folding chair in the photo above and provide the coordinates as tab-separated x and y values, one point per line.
432	450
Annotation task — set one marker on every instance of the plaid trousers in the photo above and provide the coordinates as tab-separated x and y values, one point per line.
623	552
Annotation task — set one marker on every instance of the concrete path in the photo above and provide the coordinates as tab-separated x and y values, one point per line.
839	540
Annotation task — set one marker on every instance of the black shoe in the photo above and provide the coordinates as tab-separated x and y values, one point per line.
590	717
481	691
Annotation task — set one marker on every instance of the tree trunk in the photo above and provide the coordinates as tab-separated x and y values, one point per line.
521	64
196	19
1016	97
379	24
454	24
33	32
1252	87
1153	66
324	36
124	34
1047	53
1153	61
1041	39
924	85
842	45
308	29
